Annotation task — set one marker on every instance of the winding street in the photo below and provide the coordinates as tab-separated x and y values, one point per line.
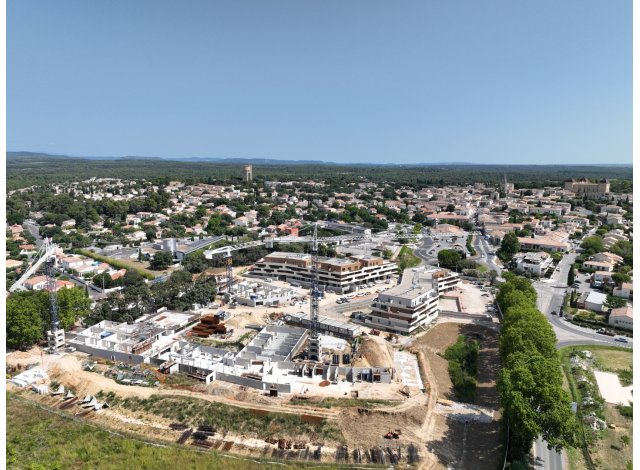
483	250
551	294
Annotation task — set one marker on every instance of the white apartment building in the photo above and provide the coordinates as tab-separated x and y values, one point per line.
535	263
335	274
412	303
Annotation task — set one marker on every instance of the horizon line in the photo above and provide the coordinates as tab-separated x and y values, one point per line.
328	162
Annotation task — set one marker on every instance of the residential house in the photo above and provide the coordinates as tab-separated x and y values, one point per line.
622	318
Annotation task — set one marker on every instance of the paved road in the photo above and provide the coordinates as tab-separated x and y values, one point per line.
422	251
34	230
545	458
551	293
483	249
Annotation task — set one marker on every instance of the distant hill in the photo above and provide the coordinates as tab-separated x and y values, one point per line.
275	161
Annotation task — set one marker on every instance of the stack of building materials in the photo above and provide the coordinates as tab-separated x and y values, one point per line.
41	389
29	377
209	325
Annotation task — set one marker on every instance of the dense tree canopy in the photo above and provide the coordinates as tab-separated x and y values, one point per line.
530	382
449	258
20	172
509	246
25	313
592	245
29	314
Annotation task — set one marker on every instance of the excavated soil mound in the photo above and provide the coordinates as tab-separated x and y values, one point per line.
373	352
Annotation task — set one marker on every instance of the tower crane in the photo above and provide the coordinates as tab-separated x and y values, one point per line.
228	261
314	338
46	255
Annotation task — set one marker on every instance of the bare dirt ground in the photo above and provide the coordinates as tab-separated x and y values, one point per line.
374	351
452	442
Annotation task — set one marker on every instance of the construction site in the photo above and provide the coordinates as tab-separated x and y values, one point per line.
288	386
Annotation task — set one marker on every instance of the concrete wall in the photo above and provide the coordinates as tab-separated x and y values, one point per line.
109	355
247	382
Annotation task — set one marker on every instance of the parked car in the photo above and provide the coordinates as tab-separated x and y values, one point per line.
603	331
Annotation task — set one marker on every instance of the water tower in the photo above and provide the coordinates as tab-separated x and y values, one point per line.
248	173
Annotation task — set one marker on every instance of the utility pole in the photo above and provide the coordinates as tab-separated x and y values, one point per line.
314	339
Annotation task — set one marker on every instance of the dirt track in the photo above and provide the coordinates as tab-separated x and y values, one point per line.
453	443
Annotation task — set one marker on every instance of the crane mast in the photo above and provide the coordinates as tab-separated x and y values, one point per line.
228	261
55	336
46	256
314	338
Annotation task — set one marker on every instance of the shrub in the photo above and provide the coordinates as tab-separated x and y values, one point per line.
626	411
463	367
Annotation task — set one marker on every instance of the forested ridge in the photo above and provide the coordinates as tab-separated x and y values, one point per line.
24	170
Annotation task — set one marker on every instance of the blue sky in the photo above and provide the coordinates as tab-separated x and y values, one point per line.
492	81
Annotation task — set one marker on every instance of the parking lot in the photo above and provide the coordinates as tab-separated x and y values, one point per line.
475	299
447	242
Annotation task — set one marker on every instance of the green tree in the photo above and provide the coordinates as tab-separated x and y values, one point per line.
161	260
24	313
103	281
534	402
132	278
449	258
530	382
619	278
625	249
194	263
510	246
202	292
592	245
531	332
615	302
518	290
72	304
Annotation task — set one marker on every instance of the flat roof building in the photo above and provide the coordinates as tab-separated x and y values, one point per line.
409	305
335	274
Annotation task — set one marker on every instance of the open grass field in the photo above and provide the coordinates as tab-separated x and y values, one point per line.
613	359
123	264
41	439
